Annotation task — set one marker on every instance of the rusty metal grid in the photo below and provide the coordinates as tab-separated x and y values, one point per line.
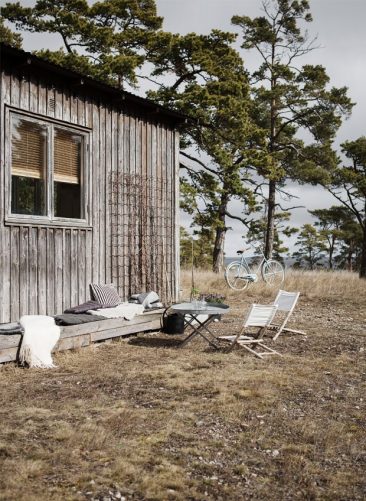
142	235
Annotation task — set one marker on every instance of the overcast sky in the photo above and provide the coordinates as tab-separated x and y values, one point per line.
340	27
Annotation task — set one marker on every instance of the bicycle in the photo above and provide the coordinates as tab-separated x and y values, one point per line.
238	274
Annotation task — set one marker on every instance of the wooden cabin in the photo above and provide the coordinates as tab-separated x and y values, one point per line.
88	189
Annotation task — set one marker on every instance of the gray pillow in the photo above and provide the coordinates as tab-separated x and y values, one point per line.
106	295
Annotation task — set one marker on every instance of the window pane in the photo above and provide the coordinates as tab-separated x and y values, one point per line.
68	154
28	167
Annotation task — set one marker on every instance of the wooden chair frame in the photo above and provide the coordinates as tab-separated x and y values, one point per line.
258	316
286	302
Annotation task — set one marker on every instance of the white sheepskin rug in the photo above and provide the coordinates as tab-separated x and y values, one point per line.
40	336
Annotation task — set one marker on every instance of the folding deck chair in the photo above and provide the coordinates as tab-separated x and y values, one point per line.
286	302
259	316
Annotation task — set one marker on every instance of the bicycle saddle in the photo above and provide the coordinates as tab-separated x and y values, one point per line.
240	251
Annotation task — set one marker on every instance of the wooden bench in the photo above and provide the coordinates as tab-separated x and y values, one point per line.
77	336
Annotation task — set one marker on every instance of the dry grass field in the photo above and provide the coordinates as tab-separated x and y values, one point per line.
141	419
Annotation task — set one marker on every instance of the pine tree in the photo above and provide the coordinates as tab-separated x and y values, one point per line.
311	247
348	186
202	243
210	85
257	233
289	98
350	251
331	223
106	40
8	37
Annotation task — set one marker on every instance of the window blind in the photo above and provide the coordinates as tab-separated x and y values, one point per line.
28	149
67	157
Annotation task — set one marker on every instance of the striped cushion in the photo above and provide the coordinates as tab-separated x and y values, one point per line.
106	295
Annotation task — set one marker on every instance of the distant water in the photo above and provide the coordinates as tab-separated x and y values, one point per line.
228	260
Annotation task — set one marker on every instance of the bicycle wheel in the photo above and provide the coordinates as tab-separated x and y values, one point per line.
273	272
234	276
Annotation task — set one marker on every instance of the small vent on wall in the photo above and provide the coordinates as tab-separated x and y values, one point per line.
51	104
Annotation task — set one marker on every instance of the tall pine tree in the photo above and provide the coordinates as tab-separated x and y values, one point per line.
289	97
220	144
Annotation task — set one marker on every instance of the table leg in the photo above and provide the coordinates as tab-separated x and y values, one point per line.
198	331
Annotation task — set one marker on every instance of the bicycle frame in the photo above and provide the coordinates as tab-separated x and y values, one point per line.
244	263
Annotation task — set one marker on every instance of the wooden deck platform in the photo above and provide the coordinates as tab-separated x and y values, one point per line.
77	336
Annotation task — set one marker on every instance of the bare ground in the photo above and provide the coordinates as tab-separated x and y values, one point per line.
141	419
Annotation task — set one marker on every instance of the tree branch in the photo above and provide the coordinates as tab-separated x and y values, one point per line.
292	120
289	196
242	220
68	48
350	205
184	77
290	208
145	77
212	171
183	166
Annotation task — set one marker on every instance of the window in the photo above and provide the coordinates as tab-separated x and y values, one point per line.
47	170
28	167
67	167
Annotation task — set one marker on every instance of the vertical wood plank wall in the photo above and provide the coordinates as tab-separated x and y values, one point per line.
45	269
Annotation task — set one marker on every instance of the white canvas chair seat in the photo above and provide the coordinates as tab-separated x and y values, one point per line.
286	302
259	316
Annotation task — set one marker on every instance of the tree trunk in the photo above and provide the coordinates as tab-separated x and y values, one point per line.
270	219
363	253
272	184
331	251
218	251
349	259
311	260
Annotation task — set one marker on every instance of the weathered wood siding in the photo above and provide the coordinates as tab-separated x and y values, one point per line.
46	268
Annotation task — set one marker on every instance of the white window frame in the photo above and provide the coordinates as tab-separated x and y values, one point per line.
49	218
